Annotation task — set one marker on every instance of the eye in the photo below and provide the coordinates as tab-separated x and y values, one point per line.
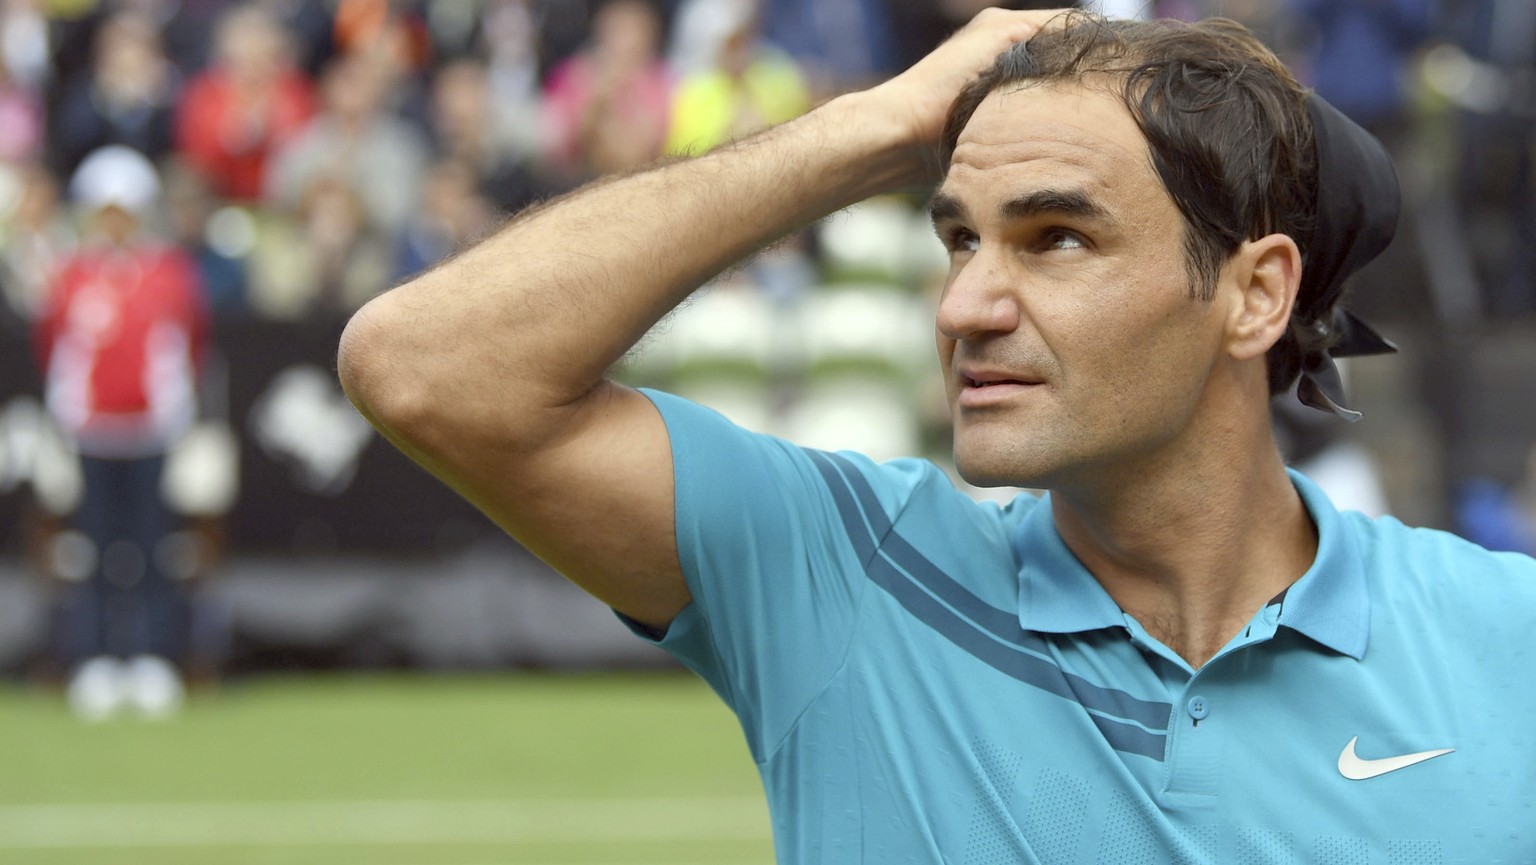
960	239
1062	238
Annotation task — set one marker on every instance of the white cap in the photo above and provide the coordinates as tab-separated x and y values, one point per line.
116	175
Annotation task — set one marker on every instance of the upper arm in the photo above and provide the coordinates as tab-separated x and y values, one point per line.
596	501
585	485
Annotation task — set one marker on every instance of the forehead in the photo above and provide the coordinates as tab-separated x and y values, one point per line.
1053	135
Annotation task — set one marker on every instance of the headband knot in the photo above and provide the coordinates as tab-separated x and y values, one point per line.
1358	201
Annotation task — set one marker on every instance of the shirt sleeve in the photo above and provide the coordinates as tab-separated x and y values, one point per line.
776	583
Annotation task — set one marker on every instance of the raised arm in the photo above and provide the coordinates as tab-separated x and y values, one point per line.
489	371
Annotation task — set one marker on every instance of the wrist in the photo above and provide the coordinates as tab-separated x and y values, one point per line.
885	153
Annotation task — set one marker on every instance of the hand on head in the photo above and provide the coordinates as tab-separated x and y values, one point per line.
923	94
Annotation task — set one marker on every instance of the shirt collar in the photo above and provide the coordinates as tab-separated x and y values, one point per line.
1329	604
1057	595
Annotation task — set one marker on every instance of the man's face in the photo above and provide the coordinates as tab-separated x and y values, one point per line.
1071	348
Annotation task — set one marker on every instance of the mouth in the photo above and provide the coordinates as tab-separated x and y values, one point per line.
980	379
979	389
969	382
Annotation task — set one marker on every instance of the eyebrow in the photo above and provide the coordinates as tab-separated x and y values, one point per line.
1060	202
943	207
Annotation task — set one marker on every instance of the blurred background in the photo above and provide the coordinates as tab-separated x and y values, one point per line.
259	169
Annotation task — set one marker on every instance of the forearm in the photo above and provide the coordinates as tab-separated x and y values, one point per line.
535	316
489	370
507	345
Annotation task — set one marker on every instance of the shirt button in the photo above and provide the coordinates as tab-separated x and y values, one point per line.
1198	708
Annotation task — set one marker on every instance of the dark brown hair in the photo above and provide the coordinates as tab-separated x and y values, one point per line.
1226	125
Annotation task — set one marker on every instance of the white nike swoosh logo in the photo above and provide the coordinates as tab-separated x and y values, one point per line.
1356	769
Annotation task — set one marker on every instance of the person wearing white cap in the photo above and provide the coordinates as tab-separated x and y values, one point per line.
119	341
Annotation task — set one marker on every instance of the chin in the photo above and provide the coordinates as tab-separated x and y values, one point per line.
1037	459
1000	469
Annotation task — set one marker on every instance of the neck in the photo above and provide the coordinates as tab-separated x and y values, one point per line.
1196	546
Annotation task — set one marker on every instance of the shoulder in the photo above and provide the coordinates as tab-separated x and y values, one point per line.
1447	612
711	452
1442	570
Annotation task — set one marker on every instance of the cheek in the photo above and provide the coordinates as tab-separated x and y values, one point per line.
1141	346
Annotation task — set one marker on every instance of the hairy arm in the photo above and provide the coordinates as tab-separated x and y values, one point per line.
489	371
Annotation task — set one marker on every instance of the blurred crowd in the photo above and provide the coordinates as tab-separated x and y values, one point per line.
312	152
285	160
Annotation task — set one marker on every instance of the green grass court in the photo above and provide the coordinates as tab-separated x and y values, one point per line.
388	770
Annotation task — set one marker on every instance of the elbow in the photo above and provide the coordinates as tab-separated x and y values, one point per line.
416	385
370	363
436	380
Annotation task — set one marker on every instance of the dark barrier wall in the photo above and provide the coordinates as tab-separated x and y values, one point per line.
353	493
313	477
316	480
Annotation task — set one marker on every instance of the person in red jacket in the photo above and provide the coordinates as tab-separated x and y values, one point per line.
119	339
253	99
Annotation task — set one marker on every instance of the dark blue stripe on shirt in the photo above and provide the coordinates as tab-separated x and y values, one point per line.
1003	624
899	568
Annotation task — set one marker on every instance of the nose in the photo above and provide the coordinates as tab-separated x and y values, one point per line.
978	299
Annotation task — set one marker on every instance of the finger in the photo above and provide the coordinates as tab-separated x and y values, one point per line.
1026	22
995	30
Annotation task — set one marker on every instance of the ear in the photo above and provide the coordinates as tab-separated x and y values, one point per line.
1264	276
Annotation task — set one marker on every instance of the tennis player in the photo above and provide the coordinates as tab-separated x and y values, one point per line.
1183	652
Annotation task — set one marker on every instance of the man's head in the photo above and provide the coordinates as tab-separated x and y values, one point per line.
1154	165
1225	122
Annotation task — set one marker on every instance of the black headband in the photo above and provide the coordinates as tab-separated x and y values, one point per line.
1358	201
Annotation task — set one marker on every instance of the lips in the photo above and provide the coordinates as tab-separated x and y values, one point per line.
980	388
971	382
980	378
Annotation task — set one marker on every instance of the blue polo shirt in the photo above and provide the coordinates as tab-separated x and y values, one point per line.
924	678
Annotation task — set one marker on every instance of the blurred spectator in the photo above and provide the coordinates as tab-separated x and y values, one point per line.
920	25
1361	56
22	120
1494	87
355	142
453	214
745	87
498	140
841	44
606	108
564	27
360	24
218	239
185	25
126	96
328	259
1360	60
1497	517
247	104
702	26
24	43
24	72
312	23
120	342
37	235
394	40
1274	23
509	39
